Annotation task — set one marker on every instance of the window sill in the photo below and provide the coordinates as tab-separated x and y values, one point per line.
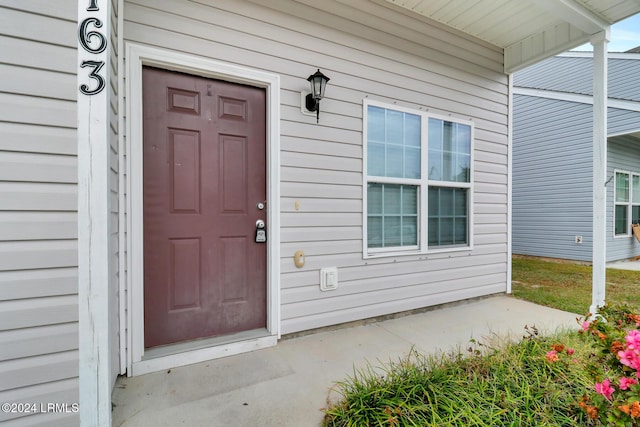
451	249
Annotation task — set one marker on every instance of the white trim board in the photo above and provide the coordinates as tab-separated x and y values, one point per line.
136	57
122	238
575	97
610	55
94	226
510	187
599	168
202	354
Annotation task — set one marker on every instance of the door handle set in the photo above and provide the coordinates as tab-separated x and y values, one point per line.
261	233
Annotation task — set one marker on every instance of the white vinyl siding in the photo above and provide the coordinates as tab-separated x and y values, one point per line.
38	208
421	67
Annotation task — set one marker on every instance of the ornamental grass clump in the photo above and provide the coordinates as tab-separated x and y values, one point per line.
534	382
614	365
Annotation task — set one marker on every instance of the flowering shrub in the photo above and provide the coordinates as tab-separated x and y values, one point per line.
614	365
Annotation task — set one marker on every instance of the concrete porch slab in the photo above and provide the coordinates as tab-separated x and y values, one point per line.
625	265
288	385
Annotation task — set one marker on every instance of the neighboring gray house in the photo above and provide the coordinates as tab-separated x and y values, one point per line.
143	143
552	160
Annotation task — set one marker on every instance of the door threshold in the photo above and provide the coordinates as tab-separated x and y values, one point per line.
170	349
187	353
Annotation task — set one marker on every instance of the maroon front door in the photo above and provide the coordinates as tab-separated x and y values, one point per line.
204	174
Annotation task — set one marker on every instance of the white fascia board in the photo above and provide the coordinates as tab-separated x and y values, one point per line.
575	97
610	55
575	14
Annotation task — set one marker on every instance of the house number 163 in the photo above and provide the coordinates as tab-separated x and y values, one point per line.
94	42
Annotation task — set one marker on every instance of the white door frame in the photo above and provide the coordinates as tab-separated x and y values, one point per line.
137	56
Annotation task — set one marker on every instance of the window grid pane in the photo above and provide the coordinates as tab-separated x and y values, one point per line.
621	220
635	189
374	231
393	219
448	216
393	143
622	187
449	151
635	214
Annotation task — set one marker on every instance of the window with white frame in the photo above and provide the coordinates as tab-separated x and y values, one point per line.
418	180
626	202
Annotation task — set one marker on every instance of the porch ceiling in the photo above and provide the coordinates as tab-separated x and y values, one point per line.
527	30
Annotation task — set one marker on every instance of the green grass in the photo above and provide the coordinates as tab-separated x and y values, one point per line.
567	286
511	384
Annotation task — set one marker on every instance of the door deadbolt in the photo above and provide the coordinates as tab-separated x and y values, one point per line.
261	233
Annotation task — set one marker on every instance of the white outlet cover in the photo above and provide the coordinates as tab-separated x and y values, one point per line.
328	278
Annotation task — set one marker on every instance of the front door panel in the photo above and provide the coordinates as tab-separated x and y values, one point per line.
204	173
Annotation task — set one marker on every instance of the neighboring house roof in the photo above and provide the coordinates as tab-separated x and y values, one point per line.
571	73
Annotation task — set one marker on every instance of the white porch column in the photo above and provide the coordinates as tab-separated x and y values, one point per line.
599	252
93	94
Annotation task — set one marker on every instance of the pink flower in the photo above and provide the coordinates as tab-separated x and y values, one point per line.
629	358
633	339
604	388
552	356
585	325
625	383
570	351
